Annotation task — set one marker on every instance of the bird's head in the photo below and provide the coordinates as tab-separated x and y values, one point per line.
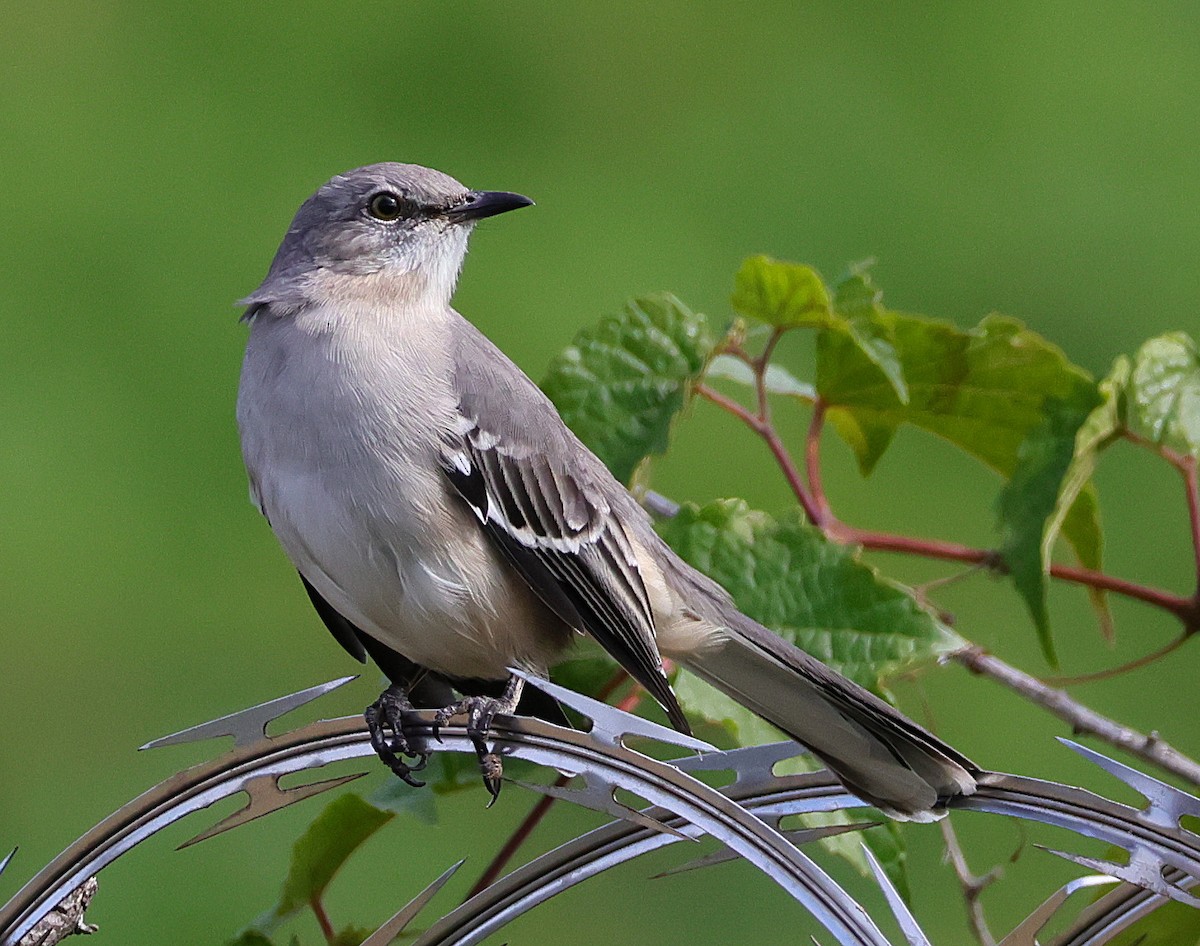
398	228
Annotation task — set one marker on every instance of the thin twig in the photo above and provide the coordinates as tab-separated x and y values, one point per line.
811	497
1110	672
1083	720
731	406
318	909
1185	609
771	437
972	884
812	464
1187	466
760	376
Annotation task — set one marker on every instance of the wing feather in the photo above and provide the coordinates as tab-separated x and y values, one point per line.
563	541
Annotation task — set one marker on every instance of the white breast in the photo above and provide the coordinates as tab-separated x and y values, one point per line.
342	421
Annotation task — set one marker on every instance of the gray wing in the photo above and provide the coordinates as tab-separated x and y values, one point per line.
544	499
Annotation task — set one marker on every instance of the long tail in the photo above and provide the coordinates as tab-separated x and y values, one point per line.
877	752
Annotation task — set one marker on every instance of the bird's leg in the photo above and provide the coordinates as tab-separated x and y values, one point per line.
480	711
385	723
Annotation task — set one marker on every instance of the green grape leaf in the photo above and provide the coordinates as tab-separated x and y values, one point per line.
981	389
1076	512
318	854
856	295
778	380
620	384
400	798
859	303
873	336
787	575
1027	502
1081	528
1162	401
785	295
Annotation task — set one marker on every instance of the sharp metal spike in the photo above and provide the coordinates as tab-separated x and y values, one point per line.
4	863
265	797
1025	932
1144	872
610	723
601	796
797	836
248	725
396	925
908	923
1167	804
752	765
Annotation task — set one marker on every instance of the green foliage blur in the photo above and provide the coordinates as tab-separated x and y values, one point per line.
1040	160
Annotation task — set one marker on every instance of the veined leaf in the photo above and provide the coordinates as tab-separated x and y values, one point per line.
999	391
1027	503
620	384
860	305
817	594
399	798
1076	511
1163	399
787	575
344	824
981	389
778	380
857	295
785	295
1081	528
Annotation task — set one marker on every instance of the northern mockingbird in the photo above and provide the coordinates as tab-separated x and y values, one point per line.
446	522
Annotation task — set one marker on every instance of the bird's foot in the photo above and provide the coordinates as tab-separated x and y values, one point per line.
480	711
385	723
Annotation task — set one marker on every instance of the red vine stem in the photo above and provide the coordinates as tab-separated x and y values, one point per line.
1082	719
767	432
812	463
1185	609
816	507
1129	665
1187	467
318	909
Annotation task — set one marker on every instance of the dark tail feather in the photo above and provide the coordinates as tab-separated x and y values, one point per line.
877	752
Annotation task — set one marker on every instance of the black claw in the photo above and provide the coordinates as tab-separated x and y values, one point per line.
385	723
406	777
480	711
422	760
493	773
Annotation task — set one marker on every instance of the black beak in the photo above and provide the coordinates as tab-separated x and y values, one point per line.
480	204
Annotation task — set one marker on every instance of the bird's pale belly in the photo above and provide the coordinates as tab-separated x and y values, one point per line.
453	606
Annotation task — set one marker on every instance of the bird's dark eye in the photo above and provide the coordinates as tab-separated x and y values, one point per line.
385	206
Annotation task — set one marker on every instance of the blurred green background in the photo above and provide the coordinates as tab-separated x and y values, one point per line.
1035	158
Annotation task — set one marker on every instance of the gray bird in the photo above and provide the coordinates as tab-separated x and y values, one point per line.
447	523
